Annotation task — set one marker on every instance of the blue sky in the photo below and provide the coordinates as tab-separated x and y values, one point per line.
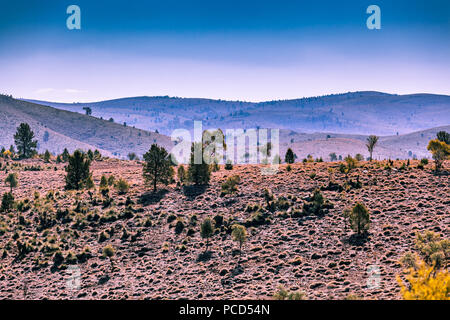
246	50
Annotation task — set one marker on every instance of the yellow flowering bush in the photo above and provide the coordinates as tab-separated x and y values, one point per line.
7	154
426	283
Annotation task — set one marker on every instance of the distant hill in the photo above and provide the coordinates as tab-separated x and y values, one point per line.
76	130
322	144
73	130
361	113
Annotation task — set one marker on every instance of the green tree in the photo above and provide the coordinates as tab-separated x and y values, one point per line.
65	155
371	143
333	156
289	157
443	136
181	172
103	182
206	231
77	171
11	180
97	155
440	151
89	183
239	234
23	139
157	166
47	156
88	110
90	155
198	173
359	218
132	156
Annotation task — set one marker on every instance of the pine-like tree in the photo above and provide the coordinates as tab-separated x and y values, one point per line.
77	171
157	166
23	139
47	156
359	218
65	155
198	173
289	157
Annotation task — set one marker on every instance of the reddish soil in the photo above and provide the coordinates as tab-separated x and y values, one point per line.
314	254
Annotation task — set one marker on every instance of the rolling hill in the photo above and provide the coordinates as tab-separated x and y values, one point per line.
411	145
73	130
360	113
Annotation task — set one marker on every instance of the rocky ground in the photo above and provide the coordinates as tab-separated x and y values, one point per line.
315	254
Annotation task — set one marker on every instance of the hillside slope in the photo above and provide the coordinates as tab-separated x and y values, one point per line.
394	147
350	113
73	130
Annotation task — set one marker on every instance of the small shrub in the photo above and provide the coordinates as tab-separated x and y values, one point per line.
283	294
316	204
179	226
122	186
229	165
230	185
425	283
434	250
7	202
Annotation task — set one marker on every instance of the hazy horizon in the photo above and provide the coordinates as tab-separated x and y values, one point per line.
207	98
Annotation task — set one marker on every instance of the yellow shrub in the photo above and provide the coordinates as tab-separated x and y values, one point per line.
424	283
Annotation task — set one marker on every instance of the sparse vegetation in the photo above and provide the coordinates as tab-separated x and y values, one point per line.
283	294
122	186
316	204
230	185
427	277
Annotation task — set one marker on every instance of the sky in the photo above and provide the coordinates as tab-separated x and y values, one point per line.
234	50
